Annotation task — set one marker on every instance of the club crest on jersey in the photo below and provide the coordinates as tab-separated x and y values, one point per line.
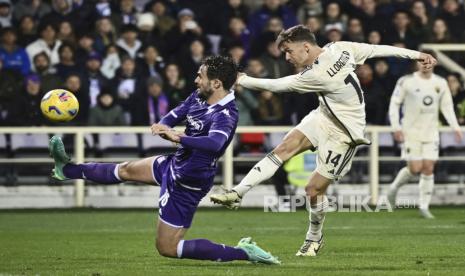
196	124
437	89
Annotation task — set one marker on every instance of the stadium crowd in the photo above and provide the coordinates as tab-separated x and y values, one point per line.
130	61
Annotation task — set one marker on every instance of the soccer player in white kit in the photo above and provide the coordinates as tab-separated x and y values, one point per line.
422	95
335	128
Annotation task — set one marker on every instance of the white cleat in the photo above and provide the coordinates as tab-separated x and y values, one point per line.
230	200
426	213
310	248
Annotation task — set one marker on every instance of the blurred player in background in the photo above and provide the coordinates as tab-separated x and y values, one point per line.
421	95
187	176
335	128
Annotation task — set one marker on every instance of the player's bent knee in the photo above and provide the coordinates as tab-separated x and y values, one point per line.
166	248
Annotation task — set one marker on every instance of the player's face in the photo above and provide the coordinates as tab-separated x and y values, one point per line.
423	69
296	52
203	83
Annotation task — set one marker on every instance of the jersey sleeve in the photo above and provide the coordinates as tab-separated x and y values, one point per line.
446	105
179	113
397	99
304	82
364	51
223	123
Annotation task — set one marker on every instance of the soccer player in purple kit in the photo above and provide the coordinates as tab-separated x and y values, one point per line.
186	176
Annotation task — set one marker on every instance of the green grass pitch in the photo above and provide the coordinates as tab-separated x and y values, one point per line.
121	242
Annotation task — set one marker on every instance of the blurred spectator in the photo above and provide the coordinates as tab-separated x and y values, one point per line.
237	53
94	81
11	82
164	21
111	62
246	104
401	31
310	8
128	42
355	31
24	110
73	83
375	108
234	9
103	8
47	43
14	57
174	85
27	31
399	67
34	8
127	14
372	19
334	32
440	32
67	64
84	49
383	76
185	31
421	22
270	8
453	14
147	34
66	32
190	64
126	83
272	29
274	61
237	34
49	80
374	37
333	15
270	109
152	104
151	64
105	34
458	96
314	24
6	13
107	112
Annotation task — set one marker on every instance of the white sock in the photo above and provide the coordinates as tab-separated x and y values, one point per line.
402	178
262	171
426	190
179	248
317	217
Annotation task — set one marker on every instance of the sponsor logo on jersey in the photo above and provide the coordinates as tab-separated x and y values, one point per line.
195	123
428	100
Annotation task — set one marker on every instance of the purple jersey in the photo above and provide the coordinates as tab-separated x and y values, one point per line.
194	165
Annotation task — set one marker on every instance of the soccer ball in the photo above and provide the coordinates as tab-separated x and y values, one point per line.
59	105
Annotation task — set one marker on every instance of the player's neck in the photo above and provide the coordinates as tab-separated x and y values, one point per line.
425	75
313	55
217	96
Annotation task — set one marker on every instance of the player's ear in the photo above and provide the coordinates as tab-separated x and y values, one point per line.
217	84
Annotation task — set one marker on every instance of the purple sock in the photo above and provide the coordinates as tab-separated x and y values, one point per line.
202	249
103	173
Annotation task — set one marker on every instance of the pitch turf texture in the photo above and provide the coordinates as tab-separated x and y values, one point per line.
121	242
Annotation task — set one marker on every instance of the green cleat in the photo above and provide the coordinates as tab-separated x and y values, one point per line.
58	153
255	253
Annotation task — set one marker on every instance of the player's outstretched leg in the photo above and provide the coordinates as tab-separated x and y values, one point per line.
426	191
104	173
401	179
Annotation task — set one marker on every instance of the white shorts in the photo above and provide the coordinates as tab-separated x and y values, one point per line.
413	150
335	155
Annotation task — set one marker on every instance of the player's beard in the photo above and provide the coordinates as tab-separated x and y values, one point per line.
206	93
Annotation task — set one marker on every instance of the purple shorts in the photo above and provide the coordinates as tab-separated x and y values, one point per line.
178	201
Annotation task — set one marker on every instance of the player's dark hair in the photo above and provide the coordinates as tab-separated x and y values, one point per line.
222	68
295	34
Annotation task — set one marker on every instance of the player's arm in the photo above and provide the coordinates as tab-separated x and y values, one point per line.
446	105
363	51
174	117
397	99
302	83
220	131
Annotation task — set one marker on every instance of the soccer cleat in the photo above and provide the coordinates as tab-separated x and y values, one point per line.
230	200
58	153
426	213
255	253
391	197
310	248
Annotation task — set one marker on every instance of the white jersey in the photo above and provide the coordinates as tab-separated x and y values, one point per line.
421	100
332	77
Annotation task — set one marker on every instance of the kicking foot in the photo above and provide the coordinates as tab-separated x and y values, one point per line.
310	248
391	197
58	153
255	253
230	200
426	214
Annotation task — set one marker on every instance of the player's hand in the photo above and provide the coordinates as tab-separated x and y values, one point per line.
399	136
171	135
158	128
427	60
458	136
239	76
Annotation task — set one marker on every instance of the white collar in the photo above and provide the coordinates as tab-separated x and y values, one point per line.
225	100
